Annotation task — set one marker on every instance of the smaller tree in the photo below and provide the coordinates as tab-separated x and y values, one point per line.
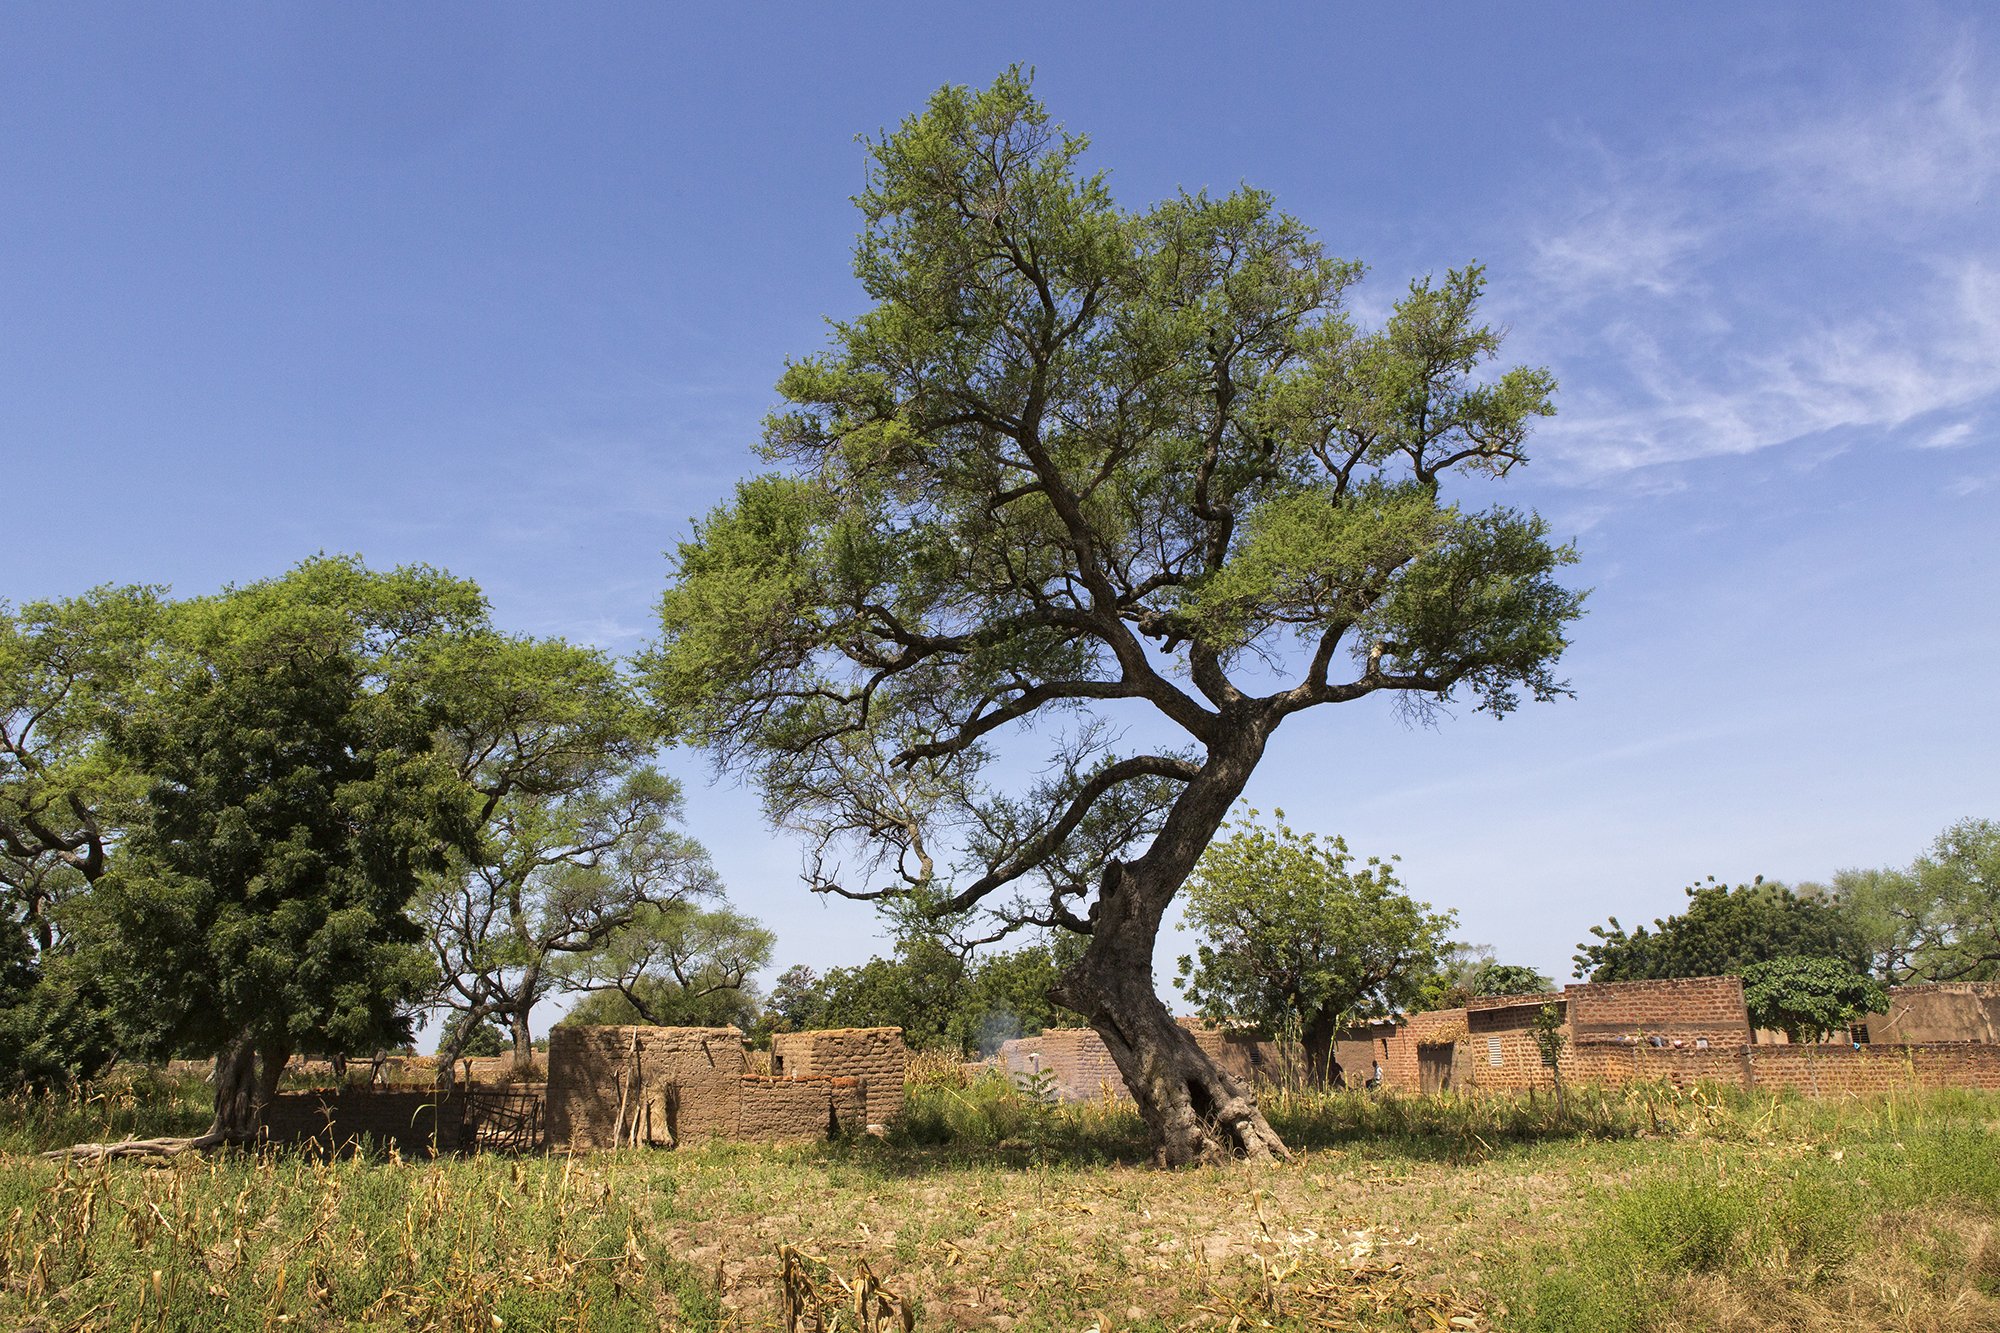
1470	970
674	965
1809	998
1296	937
558	883
467	1037
942	995
1550	1039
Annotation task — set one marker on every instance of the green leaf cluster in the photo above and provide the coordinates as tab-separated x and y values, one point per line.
1809	998
1937	919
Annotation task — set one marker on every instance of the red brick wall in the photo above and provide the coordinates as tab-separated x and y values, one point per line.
1508	1033
1688	1009
1845	1070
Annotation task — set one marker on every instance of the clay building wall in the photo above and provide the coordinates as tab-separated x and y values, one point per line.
874	1056
1426	1054
669	1084
1945	1012
777	1109
1830	1070
1362	1047
1500	1049
1244	1053
1076	1059
415	1124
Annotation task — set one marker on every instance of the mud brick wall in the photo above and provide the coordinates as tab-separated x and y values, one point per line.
1076	1058
1834	1071
1687	1009
1437	1027
1500	1051
875	1056
682	1083
1243	1053
777	1109
416	1124
1617	1063
1361	1047
1947	1012
500	1069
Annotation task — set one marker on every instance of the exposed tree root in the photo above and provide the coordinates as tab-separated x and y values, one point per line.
156	1150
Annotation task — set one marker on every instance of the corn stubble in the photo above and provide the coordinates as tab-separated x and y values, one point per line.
991	1206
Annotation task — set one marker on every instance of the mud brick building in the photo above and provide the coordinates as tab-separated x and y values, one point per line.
1681	1032
615	1087
1074	1061
772	1109
875	1057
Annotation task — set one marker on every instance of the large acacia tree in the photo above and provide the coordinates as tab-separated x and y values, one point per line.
1134	487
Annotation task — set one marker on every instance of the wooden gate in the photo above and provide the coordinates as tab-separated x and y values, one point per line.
504	1119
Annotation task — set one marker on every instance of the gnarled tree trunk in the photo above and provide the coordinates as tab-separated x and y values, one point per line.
1192	1107
246	1078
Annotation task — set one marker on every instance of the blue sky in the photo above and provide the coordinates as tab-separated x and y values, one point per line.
505	288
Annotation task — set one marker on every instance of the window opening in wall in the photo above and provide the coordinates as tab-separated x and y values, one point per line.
1493	1051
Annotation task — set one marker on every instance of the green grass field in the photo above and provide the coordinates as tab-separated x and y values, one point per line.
1643	1209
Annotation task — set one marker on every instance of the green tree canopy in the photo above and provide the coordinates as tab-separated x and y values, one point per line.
552	887
295	792
674	964
1467	971
1809	998
1939	918
1077	469
1298	938
68	669
1723	931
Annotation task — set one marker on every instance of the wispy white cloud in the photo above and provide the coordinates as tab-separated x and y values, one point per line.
1749	283
1615	246
1676	405
1933	149
1956	435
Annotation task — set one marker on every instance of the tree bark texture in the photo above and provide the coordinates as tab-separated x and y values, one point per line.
246	1078
1193	1109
